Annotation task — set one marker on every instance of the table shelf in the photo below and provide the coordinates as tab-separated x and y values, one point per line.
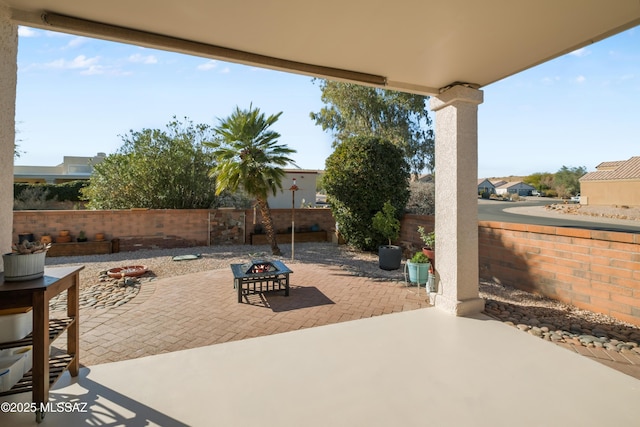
57	365
36	293
56	328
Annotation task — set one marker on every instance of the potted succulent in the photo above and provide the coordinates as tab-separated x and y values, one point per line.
429	248
82	237
25	261
386	223
418	267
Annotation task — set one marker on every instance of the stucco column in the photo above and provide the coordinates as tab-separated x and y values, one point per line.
456	174
8	80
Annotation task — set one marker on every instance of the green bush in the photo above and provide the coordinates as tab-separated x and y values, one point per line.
67	191
361	174
419	258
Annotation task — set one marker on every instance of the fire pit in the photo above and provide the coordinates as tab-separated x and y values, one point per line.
259	276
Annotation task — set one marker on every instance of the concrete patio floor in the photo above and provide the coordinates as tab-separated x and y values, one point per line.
184	352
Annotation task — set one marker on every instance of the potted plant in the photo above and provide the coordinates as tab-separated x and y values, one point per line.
25	261
429	248
418	267
82	237
386	223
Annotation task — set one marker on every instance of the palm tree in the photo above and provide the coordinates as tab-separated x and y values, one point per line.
248	156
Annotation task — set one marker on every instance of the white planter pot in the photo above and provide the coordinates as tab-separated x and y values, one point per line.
23	267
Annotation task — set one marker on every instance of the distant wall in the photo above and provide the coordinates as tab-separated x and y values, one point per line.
163	228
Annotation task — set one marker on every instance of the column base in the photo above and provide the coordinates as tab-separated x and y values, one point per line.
467	307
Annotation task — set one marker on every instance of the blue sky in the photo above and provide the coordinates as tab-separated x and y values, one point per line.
76	96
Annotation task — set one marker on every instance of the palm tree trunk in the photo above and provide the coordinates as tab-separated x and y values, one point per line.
267	222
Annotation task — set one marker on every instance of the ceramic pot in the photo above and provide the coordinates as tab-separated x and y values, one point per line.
23	267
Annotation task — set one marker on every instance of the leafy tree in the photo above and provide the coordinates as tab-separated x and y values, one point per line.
249	157
542	181
566	180
402	118
156	169
361	174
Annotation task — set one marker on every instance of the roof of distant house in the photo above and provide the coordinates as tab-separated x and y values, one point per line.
512	184
622	169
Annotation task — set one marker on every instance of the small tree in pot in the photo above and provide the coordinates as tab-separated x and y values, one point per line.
387	224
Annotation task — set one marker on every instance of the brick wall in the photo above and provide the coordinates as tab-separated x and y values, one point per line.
162	228
590	269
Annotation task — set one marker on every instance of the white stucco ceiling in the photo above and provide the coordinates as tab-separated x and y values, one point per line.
415	45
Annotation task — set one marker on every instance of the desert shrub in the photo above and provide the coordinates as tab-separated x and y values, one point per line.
422	198
32	198
361	174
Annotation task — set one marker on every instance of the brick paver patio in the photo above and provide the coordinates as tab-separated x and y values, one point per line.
201	309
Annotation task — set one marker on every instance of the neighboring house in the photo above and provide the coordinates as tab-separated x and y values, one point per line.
613	183
486	186
72	168
519	188
305	195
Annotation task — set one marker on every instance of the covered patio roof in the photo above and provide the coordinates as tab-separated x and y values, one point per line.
417	46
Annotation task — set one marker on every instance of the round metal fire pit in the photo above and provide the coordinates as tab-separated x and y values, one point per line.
128	271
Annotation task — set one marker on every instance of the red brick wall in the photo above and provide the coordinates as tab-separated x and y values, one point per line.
590	269
304	218
161	228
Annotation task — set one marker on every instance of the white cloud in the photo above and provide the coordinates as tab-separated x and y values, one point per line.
143	59
79	62
209	65
27	32
225	70
76	42
580	52
581	79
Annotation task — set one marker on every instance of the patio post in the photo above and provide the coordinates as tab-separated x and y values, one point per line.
8	81
456	174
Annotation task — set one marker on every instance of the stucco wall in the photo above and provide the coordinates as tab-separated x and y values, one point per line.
8	79
607	193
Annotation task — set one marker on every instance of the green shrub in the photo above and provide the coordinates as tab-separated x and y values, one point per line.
419	258
67	191
361	174
386	222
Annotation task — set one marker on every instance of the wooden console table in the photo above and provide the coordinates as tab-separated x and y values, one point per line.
36	294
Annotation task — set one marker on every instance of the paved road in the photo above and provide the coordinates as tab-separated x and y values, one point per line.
527	212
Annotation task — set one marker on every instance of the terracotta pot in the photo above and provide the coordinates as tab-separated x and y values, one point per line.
63	233
431	254
46	239
63	239
99	237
